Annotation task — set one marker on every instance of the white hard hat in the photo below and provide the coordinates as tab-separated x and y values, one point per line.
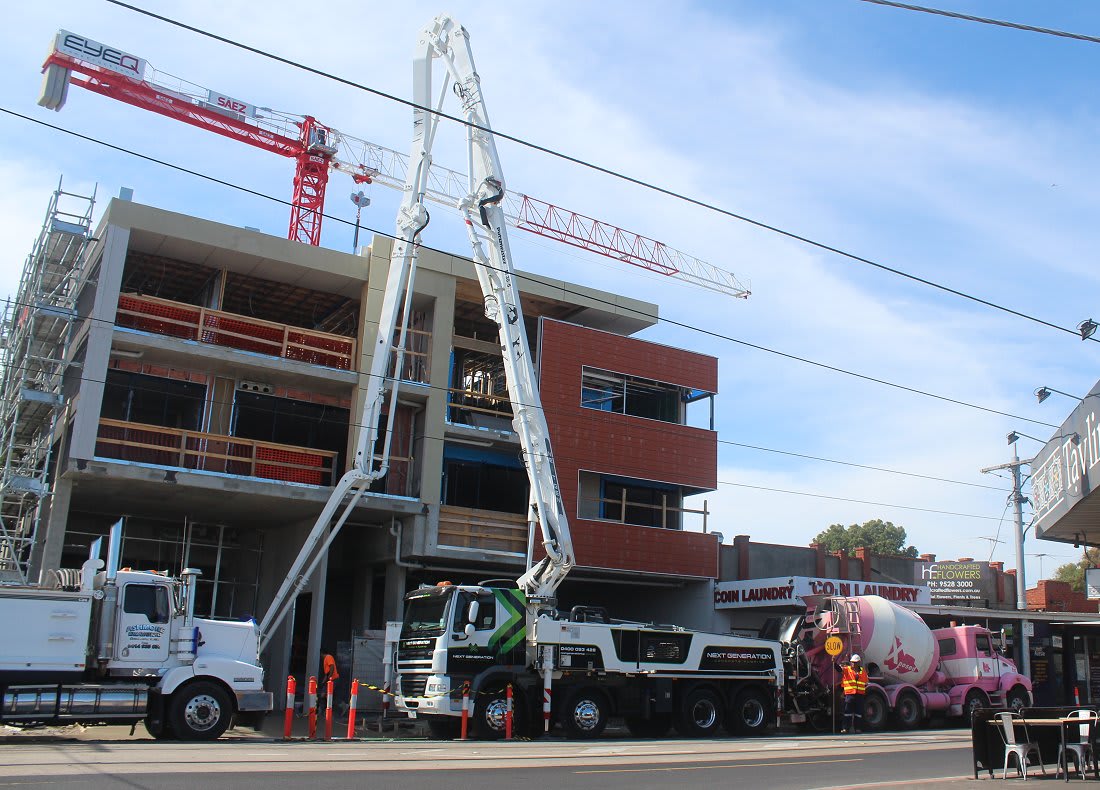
855	656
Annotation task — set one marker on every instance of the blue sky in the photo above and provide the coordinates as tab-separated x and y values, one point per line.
958	152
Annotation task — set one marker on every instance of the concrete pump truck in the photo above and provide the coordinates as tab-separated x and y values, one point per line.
581	667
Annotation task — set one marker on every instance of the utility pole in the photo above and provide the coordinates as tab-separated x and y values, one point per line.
1018	500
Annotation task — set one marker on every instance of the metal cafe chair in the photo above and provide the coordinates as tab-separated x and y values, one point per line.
1020	748
1083	748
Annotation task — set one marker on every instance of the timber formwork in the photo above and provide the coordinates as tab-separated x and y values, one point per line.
38	325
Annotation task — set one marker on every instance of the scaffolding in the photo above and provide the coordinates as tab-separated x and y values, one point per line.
37	328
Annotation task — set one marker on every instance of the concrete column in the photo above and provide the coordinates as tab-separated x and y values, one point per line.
394	604
98	349
317	585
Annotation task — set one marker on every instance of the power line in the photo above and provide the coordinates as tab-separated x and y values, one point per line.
987	21
860	466
587	296
644	183
856	501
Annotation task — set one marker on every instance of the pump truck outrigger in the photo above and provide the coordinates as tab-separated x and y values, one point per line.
489	636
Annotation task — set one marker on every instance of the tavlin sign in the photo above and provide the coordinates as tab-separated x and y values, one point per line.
791	591
1067	470
956	581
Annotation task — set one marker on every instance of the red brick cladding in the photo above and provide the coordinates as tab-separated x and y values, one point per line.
1056	596
618	444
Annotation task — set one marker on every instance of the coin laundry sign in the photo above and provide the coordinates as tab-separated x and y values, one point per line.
793	590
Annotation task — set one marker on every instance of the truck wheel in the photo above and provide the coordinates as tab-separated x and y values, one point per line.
489	713
750	712
585	714
907	711
1017	699
200	711
874	712
700	715
656	726
159	729
975	701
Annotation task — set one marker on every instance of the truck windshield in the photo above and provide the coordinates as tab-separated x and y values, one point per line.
426	616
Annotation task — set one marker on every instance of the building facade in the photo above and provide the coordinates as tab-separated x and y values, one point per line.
209	392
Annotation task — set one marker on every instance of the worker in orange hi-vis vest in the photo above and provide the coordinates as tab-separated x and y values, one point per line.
328	672
853	680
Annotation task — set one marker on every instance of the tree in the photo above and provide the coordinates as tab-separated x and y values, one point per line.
881	537
1073	573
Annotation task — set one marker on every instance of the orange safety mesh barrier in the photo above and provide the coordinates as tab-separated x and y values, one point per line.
292	466
219	330
177	320
311	348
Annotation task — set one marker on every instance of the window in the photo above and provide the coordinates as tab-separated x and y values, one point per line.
981	642
486	612
152	400
150	600
603	390
645	506
660	648
948	648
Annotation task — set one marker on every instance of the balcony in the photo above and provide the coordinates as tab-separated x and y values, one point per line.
153	444
217	328
489	531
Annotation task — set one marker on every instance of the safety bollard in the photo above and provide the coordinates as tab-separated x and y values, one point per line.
288	722
508	714
328	711
465	710
352	705
311	701
1076	696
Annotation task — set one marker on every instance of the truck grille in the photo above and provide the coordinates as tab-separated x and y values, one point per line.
414	654
413	685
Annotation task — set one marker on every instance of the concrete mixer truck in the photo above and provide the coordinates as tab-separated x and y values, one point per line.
915	671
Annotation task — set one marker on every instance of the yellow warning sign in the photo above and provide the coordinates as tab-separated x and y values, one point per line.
834	645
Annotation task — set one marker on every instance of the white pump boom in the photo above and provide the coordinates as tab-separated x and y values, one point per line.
486	226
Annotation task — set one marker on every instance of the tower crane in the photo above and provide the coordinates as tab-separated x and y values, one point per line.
318	149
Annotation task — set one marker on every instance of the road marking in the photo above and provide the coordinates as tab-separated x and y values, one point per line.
897	783
716	767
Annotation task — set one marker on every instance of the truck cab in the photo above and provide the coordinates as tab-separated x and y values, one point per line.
977	673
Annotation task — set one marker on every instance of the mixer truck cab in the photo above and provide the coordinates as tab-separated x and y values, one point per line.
978	673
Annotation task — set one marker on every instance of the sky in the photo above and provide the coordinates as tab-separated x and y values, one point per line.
960	153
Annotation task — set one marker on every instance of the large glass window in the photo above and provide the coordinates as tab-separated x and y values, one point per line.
483	479
639	397
644	505
152	400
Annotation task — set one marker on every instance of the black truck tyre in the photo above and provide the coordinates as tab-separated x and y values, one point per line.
700	715
751	711
585	714
1017	699
908	711
875	710
976	699
200	711
489	714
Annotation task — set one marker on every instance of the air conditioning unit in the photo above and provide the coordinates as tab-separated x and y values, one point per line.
256	386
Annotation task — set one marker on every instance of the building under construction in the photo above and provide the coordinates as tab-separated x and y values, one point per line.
204	382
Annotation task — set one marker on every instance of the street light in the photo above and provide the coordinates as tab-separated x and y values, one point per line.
1044	392
1087	328
1014	435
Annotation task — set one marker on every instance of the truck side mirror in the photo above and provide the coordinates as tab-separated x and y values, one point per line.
471	612
469	630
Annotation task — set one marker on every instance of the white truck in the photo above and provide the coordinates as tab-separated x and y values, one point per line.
580	667
108	646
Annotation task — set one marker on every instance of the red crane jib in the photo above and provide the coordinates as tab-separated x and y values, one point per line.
311	176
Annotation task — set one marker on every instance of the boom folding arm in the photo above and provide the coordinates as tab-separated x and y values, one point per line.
486	227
